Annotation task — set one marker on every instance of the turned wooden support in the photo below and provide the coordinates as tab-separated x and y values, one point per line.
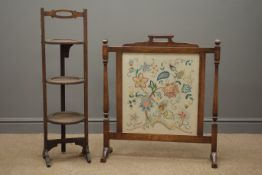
213	155
106	149
105	61
106	95
215	97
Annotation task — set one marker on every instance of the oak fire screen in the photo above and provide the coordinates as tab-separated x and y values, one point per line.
160	93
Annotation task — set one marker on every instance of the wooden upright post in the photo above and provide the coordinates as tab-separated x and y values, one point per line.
213	155
106	149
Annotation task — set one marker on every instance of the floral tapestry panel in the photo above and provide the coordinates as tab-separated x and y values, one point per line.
160	93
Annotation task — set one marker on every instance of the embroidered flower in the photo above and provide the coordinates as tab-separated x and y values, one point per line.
162	106
140	81
154	68
186	88
145	67
170	90
182	116
146	103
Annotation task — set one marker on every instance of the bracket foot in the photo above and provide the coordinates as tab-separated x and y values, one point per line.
47	158
86	154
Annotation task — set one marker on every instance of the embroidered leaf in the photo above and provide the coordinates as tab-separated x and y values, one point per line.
172	67
162	66
187	126
163	75
189	62
152	85
138	95
178	82
131	95
137	70
188	95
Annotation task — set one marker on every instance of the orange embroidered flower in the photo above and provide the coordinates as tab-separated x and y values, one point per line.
146	104
162	106
140	81
170	90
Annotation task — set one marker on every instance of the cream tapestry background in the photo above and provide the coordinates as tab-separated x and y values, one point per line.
160	93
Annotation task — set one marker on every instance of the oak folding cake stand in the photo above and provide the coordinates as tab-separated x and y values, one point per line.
64	117
160	89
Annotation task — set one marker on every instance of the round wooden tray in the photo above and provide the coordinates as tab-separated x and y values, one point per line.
65	80
63	41
65	117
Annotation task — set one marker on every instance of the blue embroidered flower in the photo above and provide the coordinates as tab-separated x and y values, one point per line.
145	67
146	103
186	88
